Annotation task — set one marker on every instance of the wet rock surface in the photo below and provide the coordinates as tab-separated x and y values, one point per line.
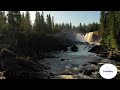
74	48
73	66
89	70
95	49
16	67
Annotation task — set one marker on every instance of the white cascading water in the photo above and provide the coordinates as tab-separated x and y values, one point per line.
82	49
88	37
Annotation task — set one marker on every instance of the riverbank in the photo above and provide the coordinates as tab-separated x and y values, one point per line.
57	65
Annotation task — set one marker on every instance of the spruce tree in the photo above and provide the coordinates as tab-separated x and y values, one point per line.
14	22
23	23
103	29
28	22
37	22
43	27
52	24
112	31
3	25
49	24
84	28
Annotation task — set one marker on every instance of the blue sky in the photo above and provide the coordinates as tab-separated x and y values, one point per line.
71	16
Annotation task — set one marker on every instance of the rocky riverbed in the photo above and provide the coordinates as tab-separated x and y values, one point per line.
76	65
56	65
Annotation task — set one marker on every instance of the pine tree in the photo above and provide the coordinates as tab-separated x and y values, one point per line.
43	27
70	26
23	23
109	29
28	22
49	24
80	28
37	22
84	28
52	24
56	28
117	26
3	19
103	30
112	31
14	22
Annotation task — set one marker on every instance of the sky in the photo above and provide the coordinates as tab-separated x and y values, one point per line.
75	17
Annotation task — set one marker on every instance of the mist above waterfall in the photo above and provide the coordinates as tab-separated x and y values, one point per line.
80	37
72	36
69	35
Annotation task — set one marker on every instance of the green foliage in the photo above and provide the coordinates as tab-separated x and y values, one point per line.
88	28
28	22
2	22
110	29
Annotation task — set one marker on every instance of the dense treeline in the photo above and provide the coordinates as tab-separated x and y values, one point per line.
88	28
17	30
110	30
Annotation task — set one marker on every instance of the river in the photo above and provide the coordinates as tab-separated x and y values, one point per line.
69	63
77	65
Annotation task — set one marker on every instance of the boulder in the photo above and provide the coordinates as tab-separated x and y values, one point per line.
74	48
62	59
86	43
93	62
7	53
64	48
101	55
96	49
89	69
88	72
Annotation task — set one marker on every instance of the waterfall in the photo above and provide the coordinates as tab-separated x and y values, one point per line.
92	38
88	37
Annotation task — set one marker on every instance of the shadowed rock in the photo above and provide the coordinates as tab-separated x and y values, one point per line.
7	53
74	48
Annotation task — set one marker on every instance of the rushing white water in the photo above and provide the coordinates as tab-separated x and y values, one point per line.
82	51
69	61
92	38
88	37
72	61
